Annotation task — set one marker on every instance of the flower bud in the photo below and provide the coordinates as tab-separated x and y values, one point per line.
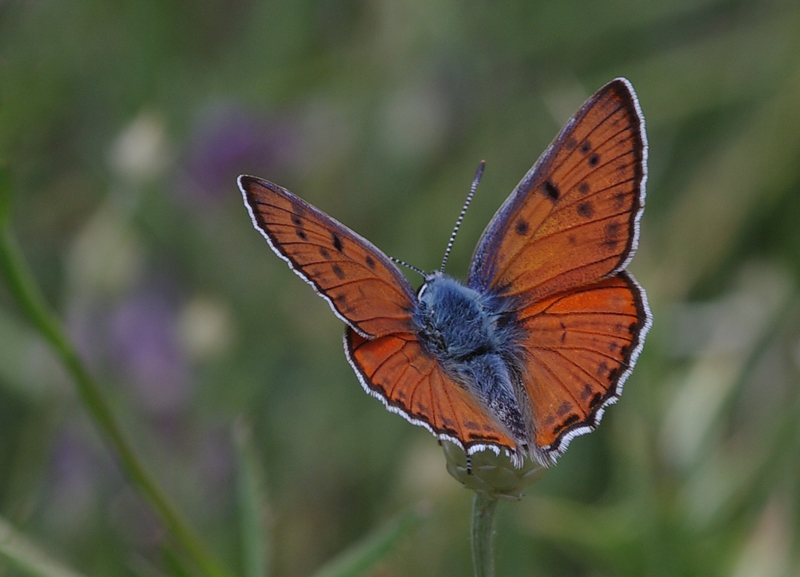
491	475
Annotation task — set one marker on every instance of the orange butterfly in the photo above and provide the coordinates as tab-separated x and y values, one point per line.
531	350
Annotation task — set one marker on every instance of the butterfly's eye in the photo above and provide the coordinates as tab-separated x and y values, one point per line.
502	321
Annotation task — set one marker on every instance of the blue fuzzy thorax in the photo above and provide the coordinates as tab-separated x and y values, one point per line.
473	337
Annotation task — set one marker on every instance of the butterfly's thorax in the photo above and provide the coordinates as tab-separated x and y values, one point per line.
454	321
471	335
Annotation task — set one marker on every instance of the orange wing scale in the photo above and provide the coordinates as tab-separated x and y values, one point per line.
396	370
363	287
579	349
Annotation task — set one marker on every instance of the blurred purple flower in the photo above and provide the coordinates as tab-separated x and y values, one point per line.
228	141
145	343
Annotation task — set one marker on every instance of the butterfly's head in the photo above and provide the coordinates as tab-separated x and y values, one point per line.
430	278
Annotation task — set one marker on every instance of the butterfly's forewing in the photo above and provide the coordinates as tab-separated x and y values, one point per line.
364	288
581	346
573	218
395	369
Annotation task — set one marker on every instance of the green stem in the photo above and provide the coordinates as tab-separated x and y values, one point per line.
27	294
483	508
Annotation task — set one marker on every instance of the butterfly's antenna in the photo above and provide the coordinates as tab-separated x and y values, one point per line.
410	266
472	190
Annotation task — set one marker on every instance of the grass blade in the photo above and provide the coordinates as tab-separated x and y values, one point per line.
27	557
252	494
364	555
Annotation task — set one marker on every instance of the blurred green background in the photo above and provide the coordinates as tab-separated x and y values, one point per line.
125	125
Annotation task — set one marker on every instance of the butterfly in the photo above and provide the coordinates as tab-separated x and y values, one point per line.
529	352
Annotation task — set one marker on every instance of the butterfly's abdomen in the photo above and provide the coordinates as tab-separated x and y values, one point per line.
469	334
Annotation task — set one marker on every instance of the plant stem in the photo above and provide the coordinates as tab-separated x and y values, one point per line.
24	289
483	508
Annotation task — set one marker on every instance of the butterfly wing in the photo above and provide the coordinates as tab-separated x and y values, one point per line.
396	370
363	287
574	218
556	250
581	346
368	292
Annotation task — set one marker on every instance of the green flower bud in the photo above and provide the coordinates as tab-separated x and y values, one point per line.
491	475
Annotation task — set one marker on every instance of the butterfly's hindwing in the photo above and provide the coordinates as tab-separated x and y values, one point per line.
410	382
581	347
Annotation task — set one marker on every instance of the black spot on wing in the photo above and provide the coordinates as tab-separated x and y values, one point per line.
296	220
337	270
571	420
611	235
337	242
343	305
370	262
586	147
550	190
585	209
584	188
301	233
594	159
521	227
324	252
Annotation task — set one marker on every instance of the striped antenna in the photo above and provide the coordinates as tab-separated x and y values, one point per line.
472	190
409	266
